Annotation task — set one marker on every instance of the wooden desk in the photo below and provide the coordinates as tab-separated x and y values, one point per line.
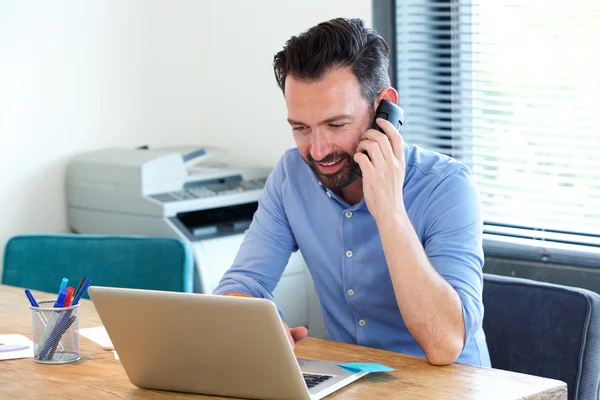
99	376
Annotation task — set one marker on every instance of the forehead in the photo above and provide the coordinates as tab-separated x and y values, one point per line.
337	92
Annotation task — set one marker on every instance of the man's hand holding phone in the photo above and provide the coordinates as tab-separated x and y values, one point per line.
381	160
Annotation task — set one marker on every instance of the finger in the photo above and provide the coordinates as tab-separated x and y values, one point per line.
384	143
373	150
289	334
363	162
393	136
290	338
299	333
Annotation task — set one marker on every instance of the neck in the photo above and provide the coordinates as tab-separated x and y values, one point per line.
353	193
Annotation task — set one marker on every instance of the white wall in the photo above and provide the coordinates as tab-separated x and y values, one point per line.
82	75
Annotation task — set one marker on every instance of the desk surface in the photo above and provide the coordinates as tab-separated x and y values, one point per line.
99	376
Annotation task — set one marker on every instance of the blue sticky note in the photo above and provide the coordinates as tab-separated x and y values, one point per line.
367	367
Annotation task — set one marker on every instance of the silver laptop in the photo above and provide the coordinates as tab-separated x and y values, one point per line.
209	344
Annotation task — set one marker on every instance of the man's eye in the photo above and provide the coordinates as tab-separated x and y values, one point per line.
298	128
337	125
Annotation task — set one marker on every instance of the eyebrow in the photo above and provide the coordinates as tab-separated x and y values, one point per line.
327	121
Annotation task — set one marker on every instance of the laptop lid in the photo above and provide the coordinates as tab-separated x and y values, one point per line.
200	343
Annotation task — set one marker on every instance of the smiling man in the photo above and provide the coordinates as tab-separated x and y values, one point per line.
391	233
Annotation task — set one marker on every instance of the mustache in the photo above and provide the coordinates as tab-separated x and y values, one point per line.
331	157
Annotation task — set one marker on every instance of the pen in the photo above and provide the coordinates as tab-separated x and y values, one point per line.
54	320
31	298
55	334
54	340
82	291
35	304
60	301
83	278
63	284
69	297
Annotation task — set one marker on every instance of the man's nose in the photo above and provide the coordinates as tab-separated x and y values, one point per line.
320	146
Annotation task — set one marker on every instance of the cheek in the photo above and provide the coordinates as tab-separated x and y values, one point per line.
346	141
303	144
349	142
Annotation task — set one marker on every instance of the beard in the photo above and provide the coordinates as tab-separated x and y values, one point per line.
339	179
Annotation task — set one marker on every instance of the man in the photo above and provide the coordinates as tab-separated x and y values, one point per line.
391	233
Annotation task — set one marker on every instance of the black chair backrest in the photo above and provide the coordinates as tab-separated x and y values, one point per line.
546	330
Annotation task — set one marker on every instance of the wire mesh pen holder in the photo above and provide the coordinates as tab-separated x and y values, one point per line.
55	333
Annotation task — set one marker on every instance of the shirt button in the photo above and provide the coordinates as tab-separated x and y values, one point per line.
348	214
362	322
328	194
350	292
349	253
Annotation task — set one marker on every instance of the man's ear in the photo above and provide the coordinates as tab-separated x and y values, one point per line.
388	93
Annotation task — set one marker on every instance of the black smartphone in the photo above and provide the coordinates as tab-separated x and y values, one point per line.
389	111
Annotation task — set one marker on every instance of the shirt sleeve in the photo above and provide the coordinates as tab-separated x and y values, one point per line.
453	241
266	247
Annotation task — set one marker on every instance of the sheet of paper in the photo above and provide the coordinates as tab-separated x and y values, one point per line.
98	334
15	346
369	367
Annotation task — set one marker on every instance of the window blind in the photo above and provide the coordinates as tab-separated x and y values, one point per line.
511	89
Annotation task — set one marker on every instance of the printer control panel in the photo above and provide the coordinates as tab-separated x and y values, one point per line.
218	187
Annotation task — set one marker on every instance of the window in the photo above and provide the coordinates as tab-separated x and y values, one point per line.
512	89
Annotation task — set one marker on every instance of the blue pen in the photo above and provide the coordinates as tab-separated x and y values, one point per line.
55	318
63	327
63	285
35	304
31	298
60	301
57	330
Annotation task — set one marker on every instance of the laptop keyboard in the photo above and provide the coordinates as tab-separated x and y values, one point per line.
313	380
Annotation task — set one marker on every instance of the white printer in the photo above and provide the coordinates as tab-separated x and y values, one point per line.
187	193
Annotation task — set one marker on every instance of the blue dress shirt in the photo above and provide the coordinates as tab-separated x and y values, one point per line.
343	252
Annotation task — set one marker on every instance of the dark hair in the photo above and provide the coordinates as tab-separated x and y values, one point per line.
339	42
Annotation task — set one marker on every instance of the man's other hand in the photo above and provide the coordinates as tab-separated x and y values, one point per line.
295	334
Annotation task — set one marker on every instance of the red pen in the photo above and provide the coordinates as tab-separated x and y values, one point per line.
69	297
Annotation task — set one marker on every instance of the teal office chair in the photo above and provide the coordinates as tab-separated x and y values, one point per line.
40	262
